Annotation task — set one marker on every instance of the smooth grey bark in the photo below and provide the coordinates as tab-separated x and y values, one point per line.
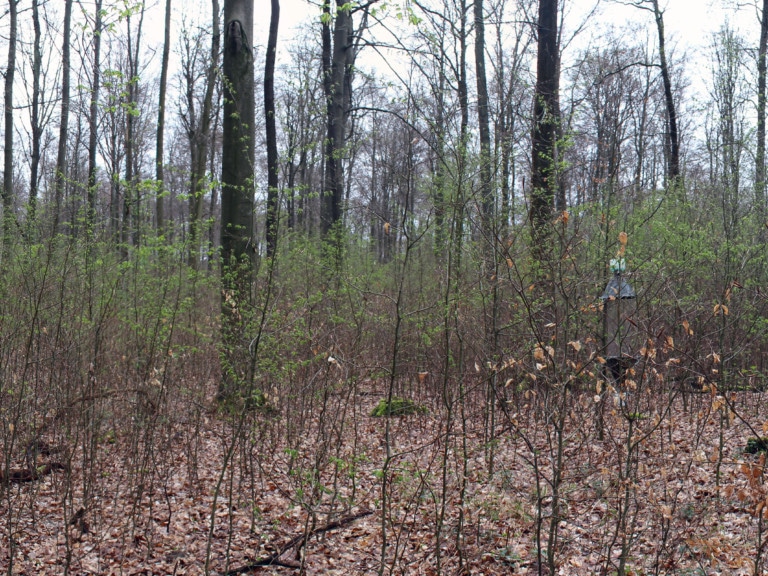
160	142
237	178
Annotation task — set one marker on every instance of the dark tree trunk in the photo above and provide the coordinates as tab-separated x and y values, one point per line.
760	148
337	57
272	217
159	149
131	212
8	216
237	179
93	121
486	190
61	155
545	121
673	157
35	119
459	200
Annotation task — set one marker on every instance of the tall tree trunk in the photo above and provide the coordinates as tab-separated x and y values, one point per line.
8	216
93	122
35	119
213	160
760	148
159	148
439	172
336	63
201	145
131	212
673	157
545	121
273	212
458	202
237	180
61	154
486	190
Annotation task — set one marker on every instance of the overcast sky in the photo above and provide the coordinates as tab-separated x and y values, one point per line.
689	23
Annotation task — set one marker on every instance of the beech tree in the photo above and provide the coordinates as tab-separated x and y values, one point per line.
8	196
93	123
160	142
237	161
271	131
486	190
673	160
760	183
61	151
35	111
445	36
546	117
237	180
338	55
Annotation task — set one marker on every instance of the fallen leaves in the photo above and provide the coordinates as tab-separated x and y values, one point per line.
275	491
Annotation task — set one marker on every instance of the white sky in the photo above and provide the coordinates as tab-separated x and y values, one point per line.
689	23
689	20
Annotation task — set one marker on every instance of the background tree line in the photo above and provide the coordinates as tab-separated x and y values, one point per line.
359	144
467	126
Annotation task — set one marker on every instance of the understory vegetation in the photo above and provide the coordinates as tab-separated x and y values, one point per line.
516	453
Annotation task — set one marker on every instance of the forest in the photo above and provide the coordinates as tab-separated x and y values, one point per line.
410	287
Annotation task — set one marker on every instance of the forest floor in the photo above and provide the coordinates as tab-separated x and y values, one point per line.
201	492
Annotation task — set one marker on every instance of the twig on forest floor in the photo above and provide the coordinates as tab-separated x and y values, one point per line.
274	558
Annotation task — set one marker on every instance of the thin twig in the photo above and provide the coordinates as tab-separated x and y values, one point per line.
274	558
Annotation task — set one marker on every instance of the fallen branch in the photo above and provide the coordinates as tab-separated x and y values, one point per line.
27	475
274	558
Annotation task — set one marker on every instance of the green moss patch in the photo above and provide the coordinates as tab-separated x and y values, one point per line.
397	407
755	445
